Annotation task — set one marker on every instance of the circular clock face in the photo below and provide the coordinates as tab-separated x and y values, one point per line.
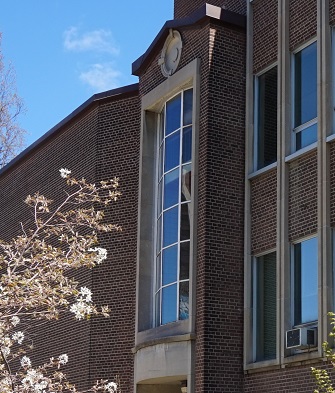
171	53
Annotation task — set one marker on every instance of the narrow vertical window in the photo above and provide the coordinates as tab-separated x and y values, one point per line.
305	96
305	282
266	119
264	307
174	209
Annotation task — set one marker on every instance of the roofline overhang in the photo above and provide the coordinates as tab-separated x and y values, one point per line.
115	94
205	12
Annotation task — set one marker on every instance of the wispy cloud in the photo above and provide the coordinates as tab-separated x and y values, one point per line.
96	40
101	77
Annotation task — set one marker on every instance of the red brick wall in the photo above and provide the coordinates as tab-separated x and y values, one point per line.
303	196
112	339
101	144
219	318
220	217
296	379
75	149
303	21
184	8
264	212
265	33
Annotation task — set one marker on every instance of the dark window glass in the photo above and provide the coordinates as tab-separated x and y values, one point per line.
267	119
184	300
185	221
265	306
188	103
186	183
184	273
187	145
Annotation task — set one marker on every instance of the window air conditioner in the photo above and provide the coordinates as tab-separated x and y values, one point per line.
301	338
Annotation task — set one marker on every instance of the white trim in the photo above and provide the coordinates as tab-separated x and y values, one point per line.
265	169
301	152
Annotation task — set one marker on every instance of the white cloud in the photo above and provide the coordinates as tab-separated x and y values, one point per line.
101	77
96	40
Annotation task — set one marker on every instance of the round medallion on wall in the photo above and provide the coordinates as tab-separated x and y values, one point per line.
171	53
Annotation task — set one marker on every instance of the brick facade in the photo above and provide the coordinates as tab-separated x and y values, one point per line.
101	347
303	197
303	21
264	212
265	33
183	8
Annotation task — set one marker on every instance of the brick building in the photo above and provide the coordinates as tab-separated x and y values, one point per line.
223	275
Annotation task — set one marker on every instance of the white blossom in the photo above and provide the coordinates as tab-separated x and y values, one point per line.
101	254
64	172
15	320
111	387
25	362
80	309
5	351
86	294
63	359
18	336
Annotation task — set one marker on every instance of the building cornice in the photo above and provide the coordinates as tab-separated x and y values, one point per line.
205	13
109	95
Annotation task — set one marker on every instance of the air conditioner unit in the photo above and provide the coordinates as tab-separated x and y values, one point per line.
301	338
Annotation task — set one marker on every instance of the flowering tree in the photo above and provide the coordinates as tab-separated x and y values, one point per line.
323	379
35	284
11	106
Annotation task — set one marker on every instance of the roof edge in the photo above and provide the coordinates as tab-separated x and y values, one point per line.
207	11
117	93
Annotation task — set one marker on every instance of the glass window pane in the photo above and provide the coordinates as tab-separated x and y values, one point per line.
184	300
306	281
172	152
186	183
171	188
170	265
187	145
170	226
305	85
185	221
307	136
265	305
169	304
173	109
184	273
267	119
188	103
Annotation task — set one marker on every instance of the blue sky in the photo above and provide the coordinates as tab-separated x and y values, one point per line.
64	51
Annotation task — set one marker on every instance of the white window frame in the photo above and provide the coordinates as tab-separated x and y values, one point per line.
301	127
159	288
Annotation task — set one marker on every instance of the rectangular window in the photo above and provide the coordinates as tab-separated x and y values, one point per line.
264	307
265	144
174	209
305	96
305	281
